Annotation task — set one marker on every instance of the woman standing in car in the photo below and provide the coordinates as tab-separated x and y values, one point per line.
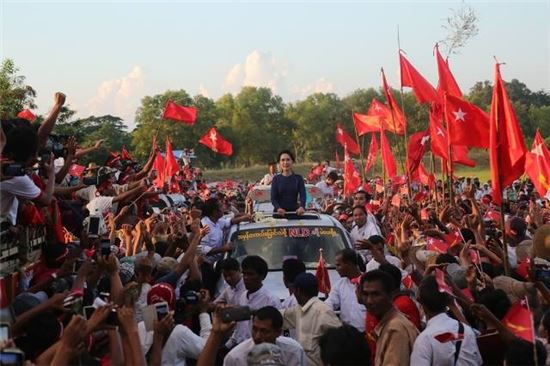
287	186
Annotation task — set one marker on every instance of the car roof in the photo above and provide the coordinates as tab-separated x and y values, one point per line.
308	219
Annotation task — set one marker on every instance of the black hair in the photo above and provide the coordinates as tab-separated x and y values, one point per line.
430	297
255	263
272	163
344	345
332	175
376	239
445	258
270	313
546	320
496	301
21	143
394	272
367	195
350	256
288	152
362	208
312	290
520	352
210	206
377	275
161	247
230	264
292	267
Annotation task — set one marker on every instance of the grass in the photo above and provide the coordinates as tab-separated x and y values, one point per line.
253	173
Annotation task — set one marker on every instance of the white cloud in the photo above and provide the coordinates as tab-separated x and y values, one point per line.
203	91
260	69
119	97
322	85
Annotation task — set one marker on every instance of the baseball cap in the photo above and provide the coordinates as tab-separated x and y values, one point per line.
162	292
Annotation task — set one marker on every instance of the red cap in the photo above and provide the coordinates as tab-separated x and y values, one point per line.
162	292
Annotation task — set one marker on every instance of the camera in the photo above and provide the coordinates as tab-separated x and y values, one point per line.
55	145
13	170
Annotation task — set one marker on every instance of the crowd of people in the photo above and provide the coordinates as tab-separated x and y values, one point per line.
130	269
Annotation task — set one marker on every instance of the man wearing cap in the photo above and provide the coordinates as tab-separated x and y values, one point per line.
267	324
311	317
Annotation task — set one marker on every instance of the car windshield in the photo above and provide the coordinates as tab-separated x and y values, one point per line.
279	243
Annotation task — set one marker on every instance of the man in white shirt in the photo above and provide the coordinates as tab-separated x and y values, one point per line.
267	324
231	271
256	296
365	226
377	247
342	295
327	186
311	317
444	341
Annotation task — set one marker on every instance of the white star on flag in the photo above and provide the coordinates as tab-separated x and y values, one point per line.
440	132
377	108
537	150
459	115
424	140
339	131
213	137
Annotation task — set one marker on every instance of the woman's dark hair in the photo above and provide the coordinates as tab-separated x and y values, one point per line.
344	346
288	152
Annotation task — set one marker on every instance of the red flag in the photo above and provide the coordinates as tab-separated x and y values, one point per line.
518	320
468	124
171	165
439	142
179	113
387	157
373	152
346	140
421	175
124	154
365	123
436	245
159	167
321	273
213	140
352	180
441	284
453	238
407	281
423	90
537	165
507	147
399	122
76	170
416	149
447	83
27	114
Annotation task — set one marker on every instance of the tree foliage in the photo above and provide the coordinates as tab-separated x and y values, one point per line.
15	95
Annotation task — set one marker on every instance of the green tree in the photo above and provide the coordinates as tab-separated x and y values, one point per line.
88	130
150	123
315	119
15	95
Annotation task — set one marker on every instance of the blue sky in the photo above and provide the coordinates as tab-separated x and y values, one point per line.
107	55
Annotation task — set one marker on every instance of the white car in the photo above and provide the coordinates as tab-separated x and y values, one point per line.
301	237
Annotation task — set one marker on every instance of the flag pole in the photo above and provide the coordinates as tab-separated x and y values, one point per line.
535	354
406	135
450	154
435	183
499	178
360	149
